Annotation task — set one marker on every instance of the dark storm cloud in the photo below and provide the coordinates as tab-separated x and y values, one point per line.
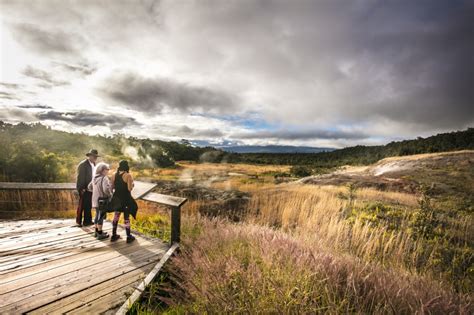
88	118
186	131
301	135
153	94
409	62
45	77
431	60
47	41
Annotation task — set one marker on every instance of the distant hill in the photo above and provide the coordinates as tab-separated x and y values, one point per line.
273	149
363	155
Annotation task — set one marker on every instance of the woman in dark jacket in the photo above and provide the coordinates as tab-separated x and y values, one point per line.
122	184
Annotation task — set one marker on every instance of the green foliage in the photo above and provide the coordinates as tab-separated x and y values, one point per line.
27	162
300	171
424	221
379	214
161	158
363	155
36	153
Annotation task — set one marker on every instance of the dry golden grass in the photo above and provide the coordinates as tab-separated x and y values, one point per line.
235	168
37	203
370	194
317	212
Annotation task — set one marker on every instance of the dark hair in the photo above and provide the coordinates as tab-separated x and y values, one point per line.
123	166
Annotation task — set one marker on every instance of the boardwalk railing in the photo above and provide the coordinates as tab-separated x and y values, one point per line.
142	190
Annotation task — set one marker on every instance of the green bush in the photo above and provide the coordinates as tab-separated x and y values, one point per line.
300	171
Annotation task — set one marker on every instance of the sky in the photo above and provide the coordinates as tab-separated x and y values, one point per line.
315	73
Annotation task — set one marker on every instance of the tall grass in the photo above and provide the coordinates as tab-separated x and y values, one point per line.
331	221
247	268
20	204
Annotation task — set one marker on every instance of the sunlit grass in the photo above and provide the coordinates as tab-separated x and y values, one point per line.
305	248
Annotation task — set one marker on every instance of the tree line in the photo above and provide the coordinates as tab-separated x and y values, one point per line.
37	153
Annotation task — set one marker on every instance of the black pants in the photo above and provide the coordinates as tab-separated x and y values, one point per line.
85	209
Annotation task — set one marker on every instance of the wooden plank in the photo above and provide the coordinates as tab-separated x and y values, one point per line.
11	230
41	276
47	257
39	294
49	264
107	302
136	294
25	239
48	253
90	295
165	199
42	241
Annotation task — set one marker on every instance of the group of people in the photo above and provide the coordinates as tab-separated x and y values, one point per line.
93	184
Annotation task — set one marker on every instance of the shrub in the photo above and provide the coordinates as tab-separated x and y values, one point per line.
300	171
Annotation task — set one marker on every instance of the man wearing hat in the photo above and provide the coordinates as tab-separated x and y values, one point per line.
85	169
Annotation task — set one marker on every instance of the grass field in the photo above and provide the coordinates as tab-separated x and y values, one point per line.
306	248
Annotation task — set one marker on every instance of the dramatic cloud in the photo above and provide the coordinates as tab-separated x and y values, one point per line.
87	118
312	71
186	131
152	95
46	78
46	41
83	69
13	114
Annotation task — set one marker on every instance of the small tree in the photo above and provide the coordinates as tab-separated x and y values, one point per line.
300	171
424	220
161	158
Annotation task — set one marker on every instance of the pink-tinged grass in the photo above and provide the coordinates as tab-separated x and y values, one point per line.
247	268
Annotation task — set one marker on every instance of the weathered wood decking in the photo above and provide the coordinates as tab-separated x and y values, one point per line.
51	266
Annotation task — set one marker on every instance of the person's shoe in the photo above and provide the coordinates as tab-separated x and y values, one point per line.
114	237
130	238
87	224
78	225
102	236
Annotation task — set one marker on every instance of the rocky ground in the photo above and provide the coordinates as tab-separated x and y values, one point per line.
406	174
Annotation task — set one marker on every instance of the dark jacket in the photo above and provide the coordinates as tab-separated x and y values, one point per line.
84	175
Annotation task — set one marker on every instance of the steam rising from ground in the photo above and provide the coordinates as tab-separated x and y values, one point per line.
138	155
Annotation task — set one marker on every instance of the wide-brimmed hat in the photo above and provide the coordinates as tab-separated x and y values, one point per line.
93	152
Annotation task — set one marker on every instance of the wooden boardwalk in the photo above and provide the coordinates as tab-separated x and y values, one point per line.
53	267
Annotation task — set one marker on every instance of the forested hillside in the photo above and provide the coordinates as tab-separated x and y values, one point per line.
34	152
364	155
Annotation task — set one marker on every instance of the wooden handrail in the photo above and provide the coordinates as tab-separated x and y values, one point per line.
141	190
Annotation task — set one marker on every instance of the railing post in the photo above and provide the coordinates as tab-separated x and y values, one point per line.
175	224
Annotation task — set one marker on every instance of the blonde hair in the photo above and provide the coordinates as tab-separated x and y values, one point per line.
101	167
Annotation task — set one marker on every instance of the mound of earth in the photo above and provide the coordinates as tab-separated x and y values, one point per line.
443	172
212	202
